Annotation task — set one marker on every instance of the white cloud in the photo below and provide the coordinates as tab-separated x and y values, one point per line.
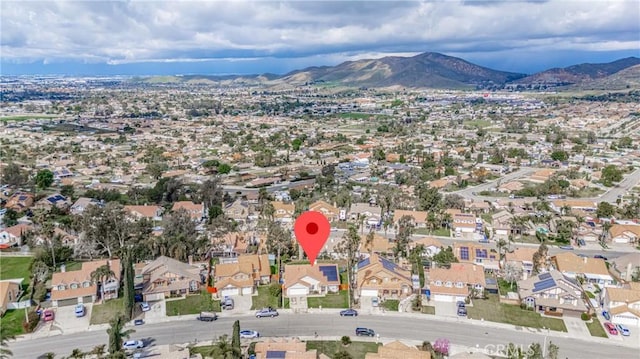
135	31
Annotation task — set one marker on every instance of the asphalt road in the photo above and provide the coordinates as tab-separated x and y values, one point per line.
389	327
468	192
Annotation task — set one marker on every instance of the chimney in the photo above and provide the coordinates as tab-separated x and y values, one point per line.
63	268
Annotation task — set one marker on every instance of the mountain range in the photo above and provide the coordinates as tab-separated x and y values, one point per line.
438	71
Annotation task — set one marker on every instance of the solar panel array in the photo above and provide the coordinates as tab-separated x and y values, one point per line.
363	263
464	253
276	354
544	276
544	284
388	265
481	253
330	272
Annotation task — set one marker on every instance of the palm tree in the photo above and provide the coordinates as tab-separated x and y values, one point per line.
101	274
501	244
116	334
4	339
77	354
369	241
223	349
98	351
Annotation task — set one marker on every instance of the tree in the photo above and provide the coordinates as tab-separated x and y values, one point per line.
415	256
535	351
348	248
10	218
5	336
44	179
128	283
116	334
445	257
552	351
345	340
442	346
98	351
224	168
611	174
605	210
512	273
223	349
211	193
513	351
77	354
559	155
342	354
13	175
101	275
403	237
235	339
540	258
453	201
428	198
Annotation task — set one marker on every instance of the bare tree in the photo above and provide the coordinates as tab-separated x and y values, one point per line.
511	273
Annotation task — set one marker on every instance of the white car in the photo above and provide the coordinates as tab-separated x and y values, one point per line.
133	344
249	334
145	306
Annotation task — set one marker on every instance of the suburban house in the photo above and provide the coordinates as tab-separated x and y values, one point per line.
625	267
196	211
468	252
464	223
285	349
19	201
10	292
419	217
593	270
574	204
378	244
331	212
166	277
242	274
398	350
369	214
12	236
624	233
501	224
522	258
379	277
73	287
301	281
238	210
82	203
552	293
431	245
55	200
456	283
623	304
153	213
283	212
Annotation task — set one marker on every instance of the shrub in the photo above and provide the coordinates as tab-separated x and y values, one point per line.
585	316
34	319
345	340
275	289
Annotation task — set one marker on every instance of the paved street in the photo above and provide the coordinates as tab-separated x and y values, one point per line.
468	192
399	326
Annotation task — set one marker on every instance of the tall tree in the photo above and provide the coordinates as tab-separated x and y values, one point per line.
211	193
13	175
116	334
235	339
348	248
128	284
44	179
101	275
512	273
403	237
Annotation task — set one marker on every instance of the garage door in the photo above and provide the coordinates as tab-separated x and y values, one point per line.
296	292
247	291
620	240
625	320
153	297
369	293
87	299
67	302
229	292
443	298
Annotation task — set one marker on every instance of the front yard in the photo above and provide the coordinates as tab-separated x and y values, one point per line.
103	313
339	300
192	304
357	350
391	304
596	329
492	310
12	321
264	299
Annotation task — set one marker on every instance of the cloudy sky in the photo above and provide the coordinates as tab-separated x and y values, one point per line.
180	37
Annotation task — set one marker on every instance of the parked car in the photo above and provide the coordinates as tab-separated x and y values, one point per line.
581	242
599	256
461	304
349	313
137	298
207	316
365	332
48	315
266	312
462	312
79	310
567	248
611	328
375	302
227	303
133	344
138	322
249	334
145	306
624	331
606	315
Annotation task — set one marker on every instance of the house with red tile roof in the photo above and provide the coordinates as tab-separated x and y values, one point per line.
73	287
196	211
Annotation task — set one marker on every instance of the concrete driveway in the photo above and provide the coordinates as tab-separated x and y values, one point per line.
157	313
577	327
241	304
446	309
66	320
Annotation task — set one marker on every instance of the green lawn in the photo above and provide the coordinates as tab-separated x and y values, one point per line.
505	286
443	232
103	313
12	320
15	267
492	310
477	123
193	304
355	115
358	350
391	304
596	329
264	299
339	300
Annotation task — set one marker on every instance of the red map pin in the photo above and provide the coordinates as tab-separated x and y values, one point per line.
312	231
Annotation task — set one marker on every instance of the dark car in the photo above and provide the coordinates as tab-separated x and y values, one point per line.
460	304
462	312
138	322
365	332
599	256
137	298
349	313
606	315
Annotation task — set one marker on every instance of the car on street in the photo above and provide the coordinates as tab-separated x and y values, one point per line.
79	310
138	322
566	248
365	332
145	306
266	312
606	315
207	316
249	334
600	256
349	313
624	331
611	328
133	344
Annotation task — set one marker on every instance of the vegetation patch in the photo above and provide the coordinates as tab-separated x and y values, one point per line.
339	300
193	304
105	312
596	329
265	299
391	304
357	350
11	321
492	310
27	117
15	267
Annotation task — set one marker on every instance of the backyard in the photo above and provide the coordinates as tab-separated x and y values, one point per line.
492	310
14	268
596	329
357	350
339	300
193	304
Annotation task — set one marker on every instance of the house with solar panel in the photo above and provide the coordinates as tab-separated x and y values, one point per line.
469	252
552	293
378	277
20	202
304	280
55	200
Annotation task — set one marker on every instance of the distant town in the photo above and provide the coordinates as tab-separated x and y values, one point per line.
488	224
